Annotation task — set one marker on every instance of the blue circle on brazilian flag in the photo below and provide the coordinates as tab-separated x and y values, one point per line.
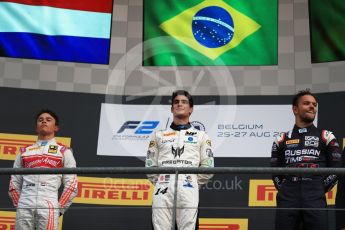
213	27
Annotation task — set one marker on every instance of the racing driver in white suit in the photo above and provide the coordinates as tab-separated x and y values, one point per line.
36	196
181	145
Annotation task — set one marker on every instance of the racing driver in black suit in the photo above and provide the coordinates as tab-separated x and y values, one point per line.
301	199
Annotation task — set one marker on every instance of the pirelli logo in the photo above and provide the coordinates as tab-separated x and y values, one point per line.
293	141
11	143
222	223
263	193
169	134
8	220
114	191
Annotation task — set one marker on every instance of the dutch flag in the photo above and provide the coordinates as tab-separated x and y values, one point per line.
56	30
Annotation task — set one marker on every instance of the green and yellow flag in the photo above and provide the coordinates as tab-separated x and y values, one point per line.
327	30
210	32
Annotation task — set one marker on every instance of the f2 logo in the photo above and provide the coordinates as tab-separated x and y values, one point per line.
146	127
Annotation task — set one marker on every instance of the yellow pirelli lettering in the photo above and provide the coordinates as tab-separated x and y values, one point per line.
114	191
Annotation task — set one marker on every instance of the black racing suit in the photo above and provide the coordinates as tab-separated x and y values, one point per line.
301	198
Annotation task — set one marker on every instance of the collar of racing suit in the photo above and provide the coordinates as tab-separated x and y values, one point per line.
45	142
180	127
307	129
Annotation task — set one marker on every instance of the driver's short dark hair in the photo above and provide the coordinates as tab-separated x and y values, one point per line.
301	94
51	113
184	93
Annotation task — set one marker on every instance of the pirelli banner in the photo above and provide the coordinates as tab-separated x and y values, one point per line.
262	193
114	191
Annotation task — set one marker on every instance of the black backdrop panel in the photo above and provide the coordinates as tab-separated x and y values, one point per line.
80	113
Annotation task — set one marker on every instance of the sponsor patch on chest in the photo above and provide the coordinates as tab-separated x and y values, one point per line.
42	161
52	149
311	141
164	178
190	140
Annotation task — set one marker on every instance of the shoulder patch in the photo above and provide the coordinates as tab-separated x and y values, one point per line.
152	144
23	149
327	136
280	139
63	149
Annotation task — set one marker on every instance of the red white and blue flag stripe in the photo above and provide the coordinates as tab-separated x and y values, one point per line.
56	30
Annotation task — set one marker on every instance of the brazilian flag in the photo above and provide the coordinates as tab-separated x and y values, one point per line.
327	30
210	32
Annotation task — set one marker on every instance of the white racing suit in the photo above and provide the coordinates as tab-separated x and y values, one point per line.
36	196
178	147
